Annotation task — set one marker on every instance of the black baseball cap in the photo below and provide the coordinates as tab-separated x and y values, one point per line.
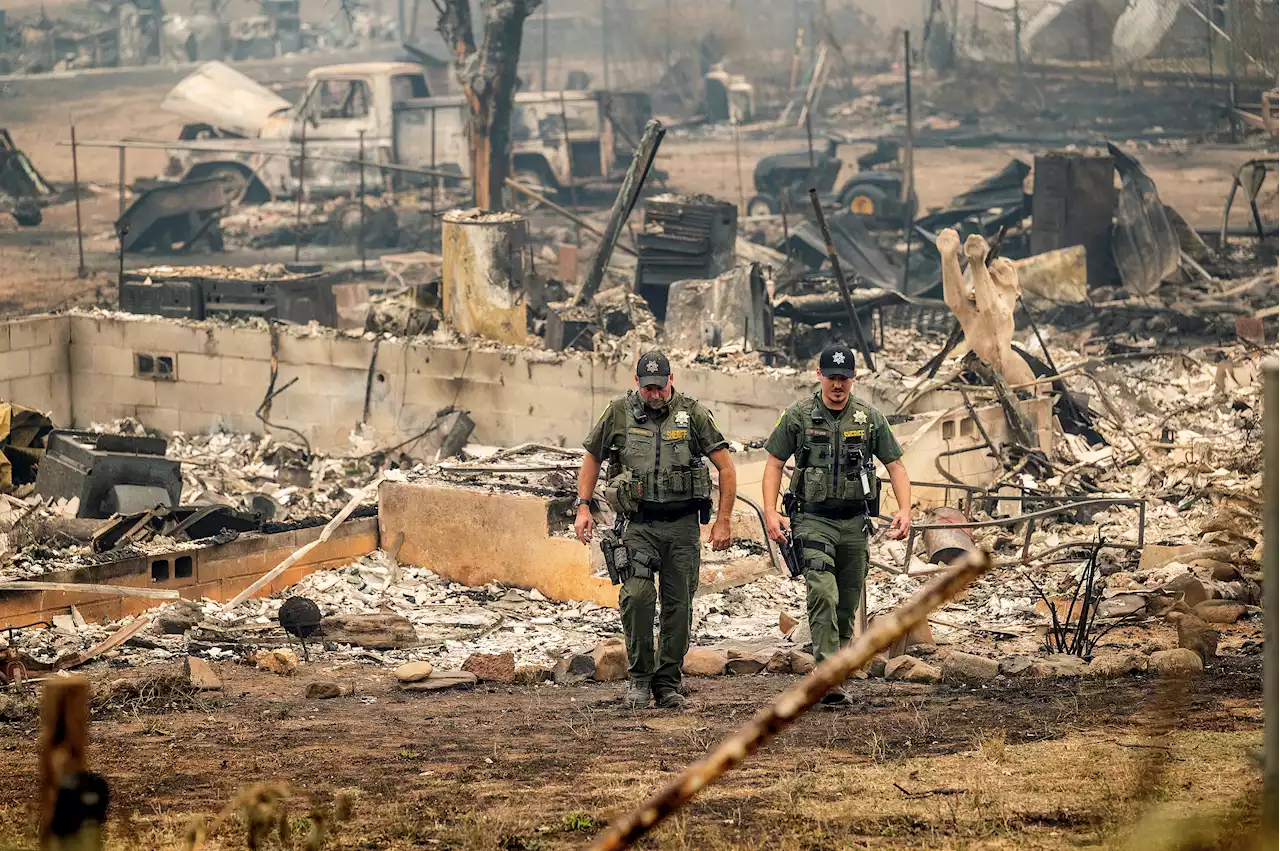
653	369
836	359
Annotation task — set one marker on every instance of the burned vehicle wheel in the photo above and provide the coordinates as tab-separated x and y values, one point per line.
869	201
762	205
233	181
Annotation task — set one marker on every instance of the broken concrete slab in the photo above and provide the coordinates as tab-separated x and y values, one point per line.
441	680
610	660
201	675
576	668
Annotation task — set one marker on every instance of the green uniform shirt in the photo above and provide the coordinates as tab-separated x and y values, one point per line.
788	432
610	431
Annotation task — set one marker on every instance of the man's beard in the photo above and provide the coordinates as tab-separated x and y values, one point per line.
656	404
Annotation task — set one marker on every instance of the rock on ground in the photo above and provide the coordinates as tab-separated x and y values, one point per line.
610	657
440	680
705	662
752	664
1176	663
531	675
575	668
1012	666
911	670
1219	611
802	663
177	620
280	661
374	631
1198	637
1059	665
492	667
412	672
1115	664
969	668
779	662
201	675
875	668
323	690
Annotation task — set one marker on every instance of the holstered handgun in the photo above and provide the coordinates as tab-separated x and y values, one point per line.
616	560
789	556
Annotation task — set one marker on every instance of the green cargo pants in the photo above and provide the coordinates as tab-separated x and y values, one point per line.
833	593
678	551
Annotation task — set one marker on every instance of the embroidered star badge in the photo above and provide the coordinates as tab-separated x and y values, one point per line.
653	366
859	417
838	357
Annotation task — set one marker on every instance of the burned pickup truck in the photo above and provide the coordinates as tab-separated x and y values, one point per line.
252	139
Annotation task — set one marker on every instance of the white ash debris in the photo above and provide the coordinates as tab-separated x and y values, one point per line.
224	466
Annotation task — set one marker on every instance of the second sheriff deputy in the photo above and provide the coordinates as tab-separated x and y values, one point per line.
834	493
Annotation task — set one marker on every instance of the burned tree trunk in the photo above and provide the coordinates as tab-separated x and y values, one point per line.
488	78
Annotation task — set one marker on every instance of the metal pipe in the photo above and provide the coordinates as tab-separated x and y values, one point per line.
768	545
1270	601
81	271
950	542
908	166
363	268
302	177
122	182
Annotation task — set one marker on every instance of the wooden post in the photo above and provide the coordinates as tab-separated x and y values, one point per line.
435	180
604	41
737	166
568	151
81	271
622	205
840	281
363	269
908	165
122	150
1271	600
546	4
73	802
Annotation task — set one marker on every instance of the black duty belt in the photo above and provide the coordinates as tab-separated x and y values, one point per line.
834	512
659	512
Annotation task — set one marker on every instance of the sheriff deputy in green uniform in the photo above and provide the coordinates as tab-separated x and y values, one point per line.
833	495
654	439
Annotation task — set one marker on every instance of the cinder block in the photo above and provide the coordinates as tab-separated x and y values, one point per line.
110	360
247	343
29	333
6	391
304	408
184	396
440	362
336	381
554	403
60	400
50	360
60	331
345	413
34	391
104	411
15	363
199	369
92	331
4	337
197	422
351	353
162	335
306	350
166	420
133	391
252	373
552	374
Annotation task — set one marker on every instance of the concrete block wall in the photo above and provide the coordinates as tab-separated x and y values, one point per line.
34	365
220	376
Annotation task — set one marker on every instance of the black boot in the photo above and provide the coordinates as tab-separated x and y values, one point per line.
666	697
637	696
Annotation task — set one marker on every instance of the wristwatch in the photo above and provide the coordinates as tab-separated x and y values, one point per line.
586	502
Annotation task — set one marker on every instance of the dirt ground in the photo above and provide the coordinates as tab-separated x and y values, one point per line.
1032	764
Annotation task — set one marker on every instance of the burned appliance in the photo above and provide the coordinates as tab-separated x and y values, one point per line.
109	473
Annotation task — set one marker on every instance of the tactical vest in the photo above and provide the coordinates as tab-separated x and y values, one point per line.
834	463
658	464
